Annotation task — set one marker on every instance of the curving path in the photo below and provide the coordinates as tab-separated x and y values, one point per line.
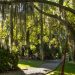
42	70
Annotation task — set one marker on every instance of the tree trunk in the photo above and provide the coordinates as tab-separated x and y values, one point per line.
41	38
25	22
73	3
11	28
64	52
63	63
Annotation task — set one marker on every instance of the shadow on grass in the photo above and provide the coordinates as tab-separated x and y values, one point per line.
70	68
19	72
14	72
31	63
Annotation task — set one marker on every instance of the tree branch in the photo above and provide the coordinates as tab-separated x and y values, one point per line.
66	23
40	1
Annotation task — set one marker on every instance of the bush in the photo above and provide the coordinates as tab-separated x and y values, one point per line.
47	53
8	61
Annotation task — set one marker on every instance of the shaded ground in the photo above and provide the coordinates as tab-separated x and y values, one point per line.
69	69
42	70
14	73
24	64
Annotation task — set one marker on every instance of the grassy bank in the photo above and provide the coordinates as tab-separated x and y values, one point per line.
24	64
69	69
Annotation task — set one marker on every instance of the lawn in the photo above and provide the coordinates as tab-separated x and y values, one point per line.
69	69
24	64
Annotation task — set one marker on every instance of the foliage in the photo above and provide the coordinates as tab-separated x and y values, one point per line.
22	24
8	61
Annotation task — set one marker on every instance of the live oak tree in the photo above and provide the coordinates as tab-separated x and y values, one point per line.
21	16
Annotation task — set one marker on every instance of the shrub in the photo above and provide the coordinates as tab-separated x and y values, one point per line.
8	60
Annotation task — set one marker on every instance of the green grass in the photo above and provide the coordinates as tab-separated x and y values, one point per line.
69	69
24	64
